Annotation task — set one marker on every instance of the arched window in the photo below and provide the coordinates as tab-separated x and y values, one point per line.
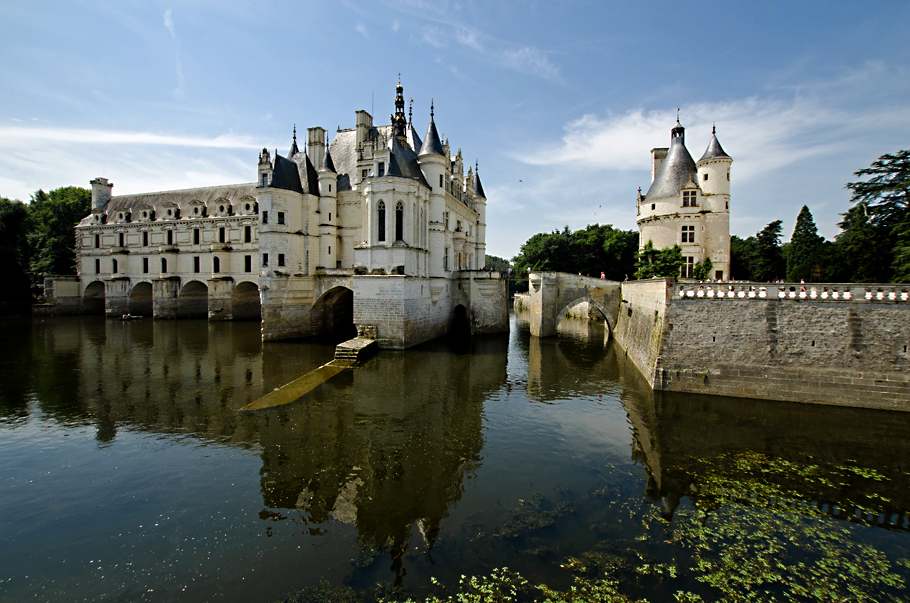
114	266
399	221
216	264
381	208
163	265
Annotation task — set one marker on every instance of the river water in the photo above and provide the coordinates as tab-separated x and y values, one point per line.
127	474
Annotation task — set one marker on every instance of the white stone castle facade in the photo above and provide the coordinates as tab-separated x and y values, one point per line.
688	204
377	229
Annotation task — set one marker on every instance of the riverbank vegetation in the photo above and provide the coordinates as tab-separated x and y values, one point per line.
37	239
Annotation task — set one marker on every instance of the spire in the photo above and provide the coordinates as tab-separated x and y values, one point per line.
294	150
398	120
327	163
478	187
431	144
714	149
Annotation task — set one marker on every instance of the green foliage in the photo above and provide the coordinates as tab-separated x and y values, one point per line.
703	270
15	297
663	263
901	263
590	251
52	239
804	249
742	255
768	261
496	263
886	193
864	247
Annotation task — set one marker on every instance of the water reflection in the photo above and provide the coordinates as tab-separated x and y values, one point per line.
386	447
851	463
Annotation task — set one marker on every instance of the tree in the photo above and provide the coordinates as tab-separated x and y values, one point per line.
52	239
593	250
702	270
901	263
496	263
742	256
664	263
768	262
15	296
802	254
865	248
887	192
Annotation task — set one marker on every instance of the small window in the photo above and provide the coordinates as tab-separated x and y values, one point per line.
440	180
216	265
247	234
381	220
265	217
728	176
727	204
281	217
221	209
330	250
653	205
265	180
330	216
97	241
689	199
364	174
265	259
163	265
145	238
145	265
196	264
221	237
381	168
688	234
688	267
170	237
330	188
121	239
97	266
248	263
281	259
195	236
719	275
706	176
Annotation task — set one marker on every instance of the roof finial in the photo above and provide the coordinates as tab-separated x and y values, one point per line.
677	116
295	133
411	111
431	108
476	166
714	127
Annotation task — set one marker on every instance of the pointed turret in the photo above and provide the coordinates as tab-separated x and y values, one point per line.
431	144
677	169
714	149
294	150
478	187
327	164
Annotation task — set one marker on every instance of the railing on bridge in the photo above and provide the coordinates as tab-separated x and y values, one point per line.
793	291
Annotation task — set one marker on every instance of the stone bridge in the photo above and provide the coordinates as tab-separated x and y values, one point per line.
551	294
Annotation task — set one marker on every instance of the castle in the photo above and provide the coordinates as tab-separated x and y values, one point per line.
688	204
375	230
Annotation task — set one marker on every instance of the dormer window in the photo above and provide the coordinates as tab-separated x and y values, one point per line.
265	180
690	199
381	168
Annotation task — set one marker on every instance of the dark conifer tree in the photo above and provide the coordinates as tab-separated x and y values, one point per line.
803	251
768	263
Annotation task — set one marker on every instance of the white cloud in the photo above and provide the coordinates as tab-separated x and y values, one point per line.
362	29
396	24
180	91
13	137
169	23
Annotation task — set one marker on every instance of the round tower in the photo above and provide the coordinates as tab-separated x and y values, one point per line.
714	169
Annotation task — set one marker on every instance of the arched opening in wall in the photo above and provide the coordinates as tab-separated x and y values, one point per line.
93	298
333	315
140	302
584	321
245	302
460	327
399	221
193	301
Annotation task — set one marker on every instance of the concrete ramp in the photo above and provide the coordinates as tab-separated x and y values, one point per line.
347	355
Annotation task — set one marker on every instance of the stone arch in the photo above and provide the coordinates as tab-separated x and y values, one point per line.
93	298
332	315
140	301
461	322
245	302
193	300
608	320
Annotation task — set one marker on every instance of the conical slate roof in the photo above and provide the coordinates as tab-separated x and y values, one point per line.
677	169
403	162
431	144
327	163
309	179
413	139
714	149
478	187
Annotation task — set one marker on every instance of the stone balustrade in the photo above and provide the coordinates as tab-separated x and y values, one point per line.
824	292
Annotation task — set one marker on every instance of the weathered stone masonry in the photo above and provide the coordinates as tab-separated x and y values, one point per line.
793	342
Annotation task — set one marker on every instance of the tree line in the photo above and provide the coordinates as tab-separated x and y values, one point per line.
38	239
873	245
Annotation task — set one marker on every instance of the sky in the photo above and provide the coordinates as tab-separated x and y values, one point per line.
559	102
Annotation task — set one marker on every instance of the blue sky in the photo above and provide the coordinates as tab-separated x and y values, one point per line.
559	101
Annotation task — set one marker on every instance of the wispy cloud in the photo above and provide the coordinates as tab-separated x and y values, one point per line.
14	136
180	91
361	28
